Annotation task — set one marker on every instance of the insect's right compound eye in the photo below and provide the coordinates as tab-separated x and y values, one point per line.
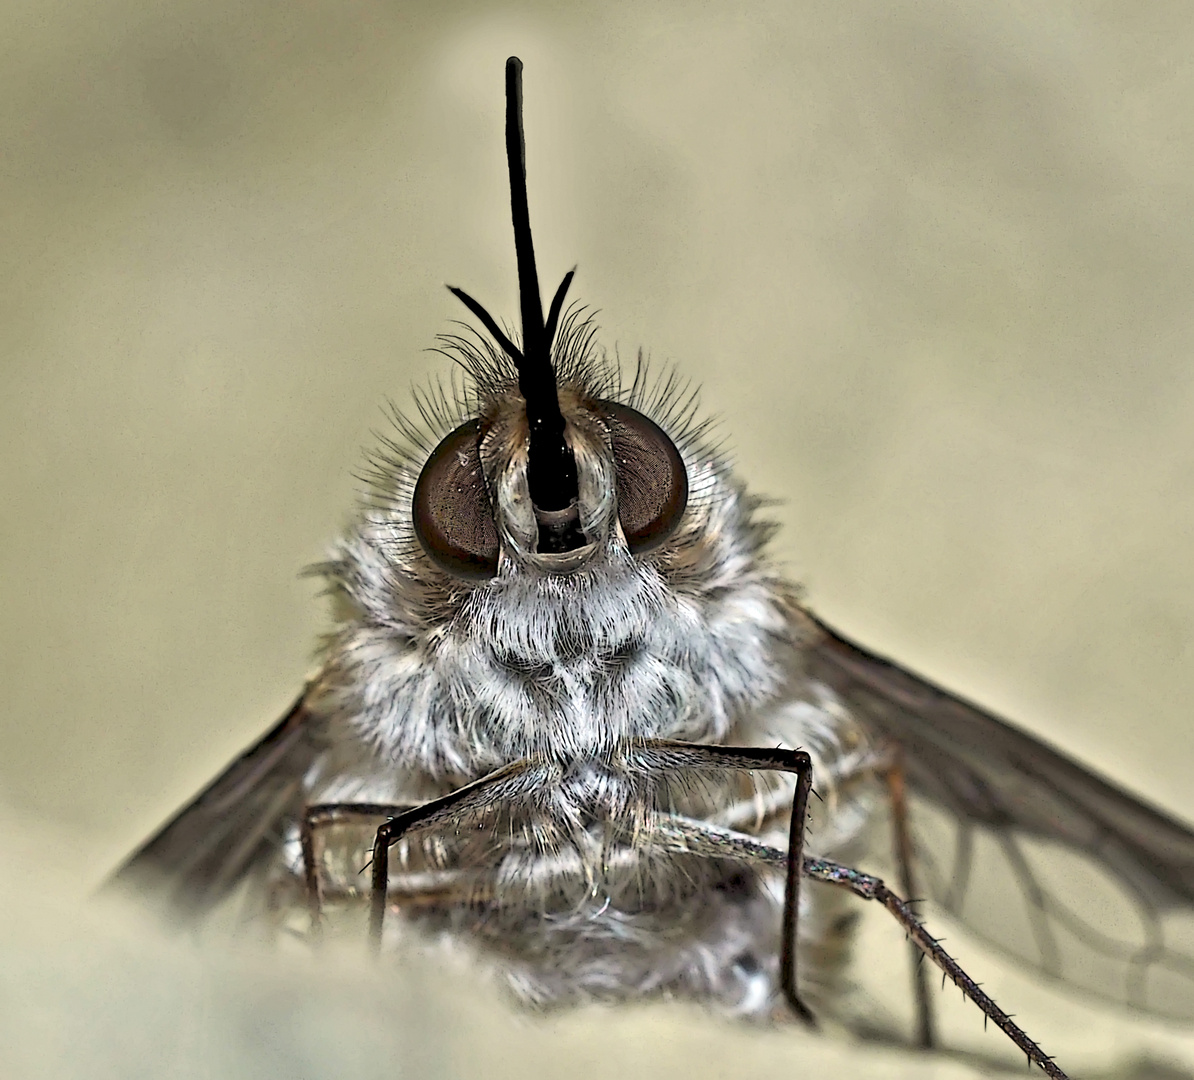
651	477
453	516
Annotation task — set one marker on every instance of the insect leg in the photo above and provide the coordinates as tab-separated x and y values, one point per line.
873	888
676	833
902	843
504	783
321	814
676	755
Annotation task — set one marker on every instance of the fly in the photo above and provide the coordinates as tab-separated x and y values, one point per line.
571	716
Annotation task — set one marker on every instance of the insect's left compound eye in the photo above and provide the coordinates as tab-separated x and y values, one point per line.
652	481
453	517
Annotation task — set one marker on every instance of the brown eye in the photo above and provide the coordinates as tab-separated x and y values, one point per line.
452	513
652	480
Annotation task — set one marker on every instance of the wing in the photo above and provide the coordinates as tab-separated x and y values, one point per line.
231	827
1035	853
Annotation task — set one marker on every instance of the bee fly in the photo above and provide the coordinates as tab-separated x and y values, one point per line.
571	716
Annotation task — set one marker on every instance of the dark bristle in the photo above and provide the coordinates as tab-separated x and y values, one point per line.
557	302
490	324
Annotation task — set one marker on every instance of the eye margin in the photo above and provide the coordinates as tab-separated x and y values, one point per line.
451	509
652	480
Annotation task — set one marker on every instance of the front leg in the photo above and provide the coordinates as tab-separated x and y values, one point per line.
664	755
502	785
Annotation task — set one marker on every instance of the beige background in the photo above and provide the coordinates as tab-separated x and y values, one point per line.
931	263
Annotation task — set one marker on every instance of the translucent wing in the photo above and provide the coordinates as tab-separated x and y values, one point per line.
233	826
1035	853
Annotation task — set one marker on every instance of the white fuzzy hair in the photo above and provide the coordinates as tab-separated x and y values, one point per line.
456	678
431	681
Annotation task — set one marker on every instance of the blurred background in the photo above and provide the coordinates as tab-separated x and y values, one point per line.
930	262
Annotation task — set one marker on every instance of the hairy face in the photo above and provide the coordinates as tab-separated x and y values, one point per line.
631	633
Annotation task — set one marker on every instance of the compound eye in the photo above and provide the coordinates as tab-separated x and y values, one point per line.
453	516
652	481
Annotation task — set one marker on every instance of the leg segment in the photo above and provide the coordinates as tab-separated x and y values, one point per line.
902	844
695	837
502	784
873	888
661	754
322	814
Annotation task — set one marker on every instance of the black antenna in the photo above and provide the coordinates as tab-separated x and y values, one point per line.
551	469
